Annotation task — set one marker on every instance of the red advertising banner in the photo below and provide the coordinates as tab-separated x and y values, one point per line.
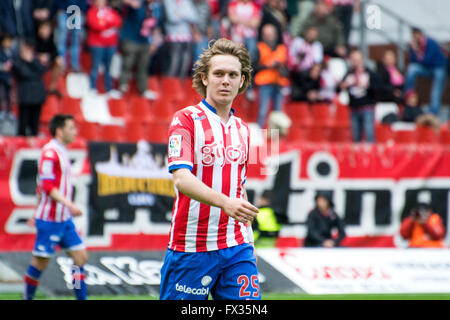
372	187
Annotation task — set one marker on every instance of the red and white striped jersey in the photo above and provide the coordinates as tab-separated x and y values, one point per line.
217	154
54	172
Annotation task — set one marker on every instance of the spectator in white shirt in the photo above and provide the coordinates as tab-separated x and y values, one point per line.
305	52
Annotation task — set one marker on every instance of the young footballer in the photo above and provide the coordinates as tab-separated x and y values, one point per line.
210	248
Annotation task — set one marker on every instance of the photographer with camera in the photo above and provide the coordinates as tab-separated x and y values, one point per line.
423	228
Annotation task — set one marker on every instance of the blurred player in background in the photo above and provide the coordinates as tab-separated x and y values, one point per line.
53	217
209	247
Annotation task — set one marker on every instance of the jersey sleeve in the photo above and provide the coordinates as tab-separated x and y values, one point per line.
180	149
48	170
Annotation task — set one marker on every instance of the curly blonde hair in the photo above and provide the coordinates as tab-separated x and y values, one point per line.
221	47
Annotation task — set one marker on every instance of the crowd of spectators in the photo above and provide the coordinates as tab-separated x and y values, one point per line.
290	43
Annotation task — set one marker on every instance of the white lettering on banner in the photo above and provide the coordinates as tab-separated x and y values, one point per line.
328	271
123	270
134	274
302	191
94	275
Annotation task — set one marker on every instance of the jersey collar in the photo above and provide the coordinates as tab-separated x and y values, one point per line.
213	110
59	144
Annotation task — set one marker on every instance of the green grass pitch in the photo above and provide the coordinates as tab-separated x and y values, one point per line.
267	296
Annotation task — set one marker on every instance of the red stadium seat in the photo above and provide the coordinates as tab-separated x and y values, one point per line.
341	134
321	114
299	113
426	135
89	130
172	89
242	106
174	95
141	109
405	136
50	107
319	133
253	109
383	133
342	117
191	95
157	132
444	136
296	134
118	108
72	106
135	131
112	133
153	83
164	108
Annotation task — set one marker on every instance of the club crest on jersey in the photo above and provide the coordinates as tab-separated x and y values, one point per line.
175	145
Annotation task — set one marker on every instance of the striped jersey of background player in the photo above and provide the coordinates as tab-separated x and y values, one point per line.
53	216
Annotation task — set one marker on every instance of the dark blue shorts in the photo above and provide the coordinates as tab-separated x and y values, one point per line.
51	234
226	274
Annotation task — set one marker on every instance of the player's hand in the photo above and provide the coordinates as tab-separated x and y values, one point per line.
76	212
240	209
31	222
328	243
254	252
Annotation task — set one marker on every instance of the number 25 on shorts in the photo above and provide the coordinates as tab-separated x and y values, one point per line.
244	282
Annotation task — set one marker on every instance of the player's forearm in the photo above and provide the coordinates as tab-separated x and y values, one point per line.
58	197
189	185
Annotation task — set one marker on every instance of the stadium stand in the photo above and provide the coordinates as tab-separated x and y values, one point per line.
136	115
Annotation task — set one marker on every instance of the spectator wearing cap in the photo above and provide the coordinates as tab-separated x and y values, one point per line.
325	228
427	60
